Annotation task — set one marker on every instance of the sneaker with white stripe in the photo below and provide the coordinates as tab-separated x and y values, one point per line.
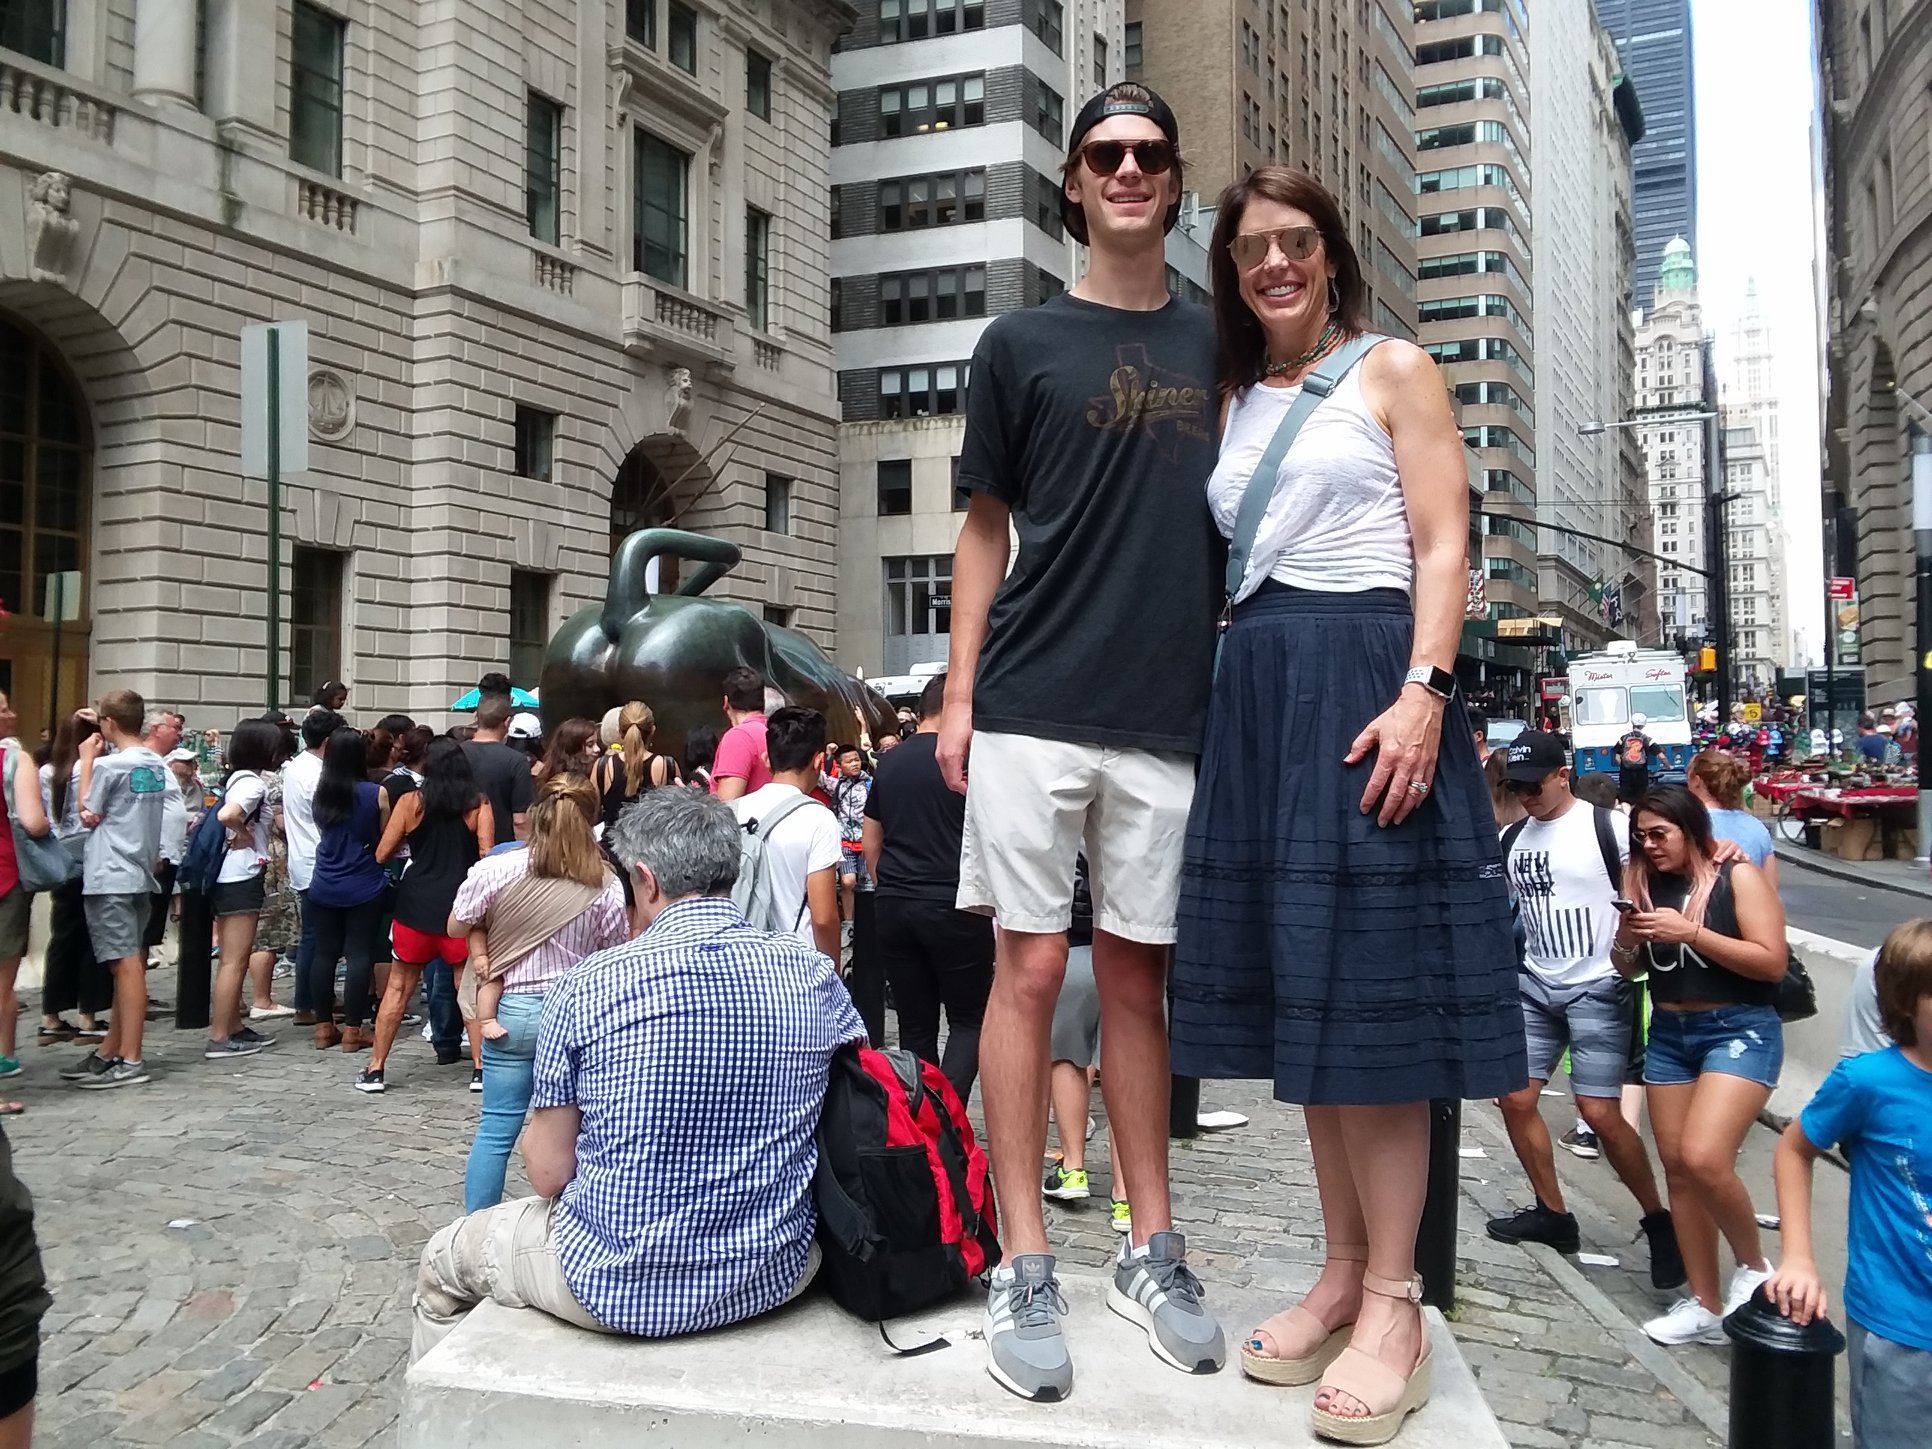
1156	1289
1025	1349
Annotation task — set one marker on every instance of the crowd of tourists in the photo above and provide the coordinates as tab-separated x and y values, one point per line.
1210	709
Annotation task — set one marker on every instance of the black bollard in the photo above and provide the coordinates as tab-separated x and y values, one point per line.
193	985
1435	1239
1183	1106
1782	1394
867	980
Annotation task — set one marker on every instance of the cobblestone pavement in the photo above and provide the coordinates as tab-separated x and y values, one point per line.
231	1247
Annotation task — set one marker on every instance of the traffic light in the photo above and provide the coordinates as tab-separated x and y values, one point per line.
1707	660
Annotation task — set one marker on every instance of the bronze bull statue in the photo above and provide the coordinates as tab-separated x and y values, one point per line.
673	651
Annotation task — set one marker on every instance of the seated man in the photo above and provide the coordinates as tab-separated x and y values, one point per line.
677	1086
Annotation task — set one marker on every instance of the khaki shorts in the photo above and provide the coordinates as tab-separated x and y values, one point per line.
1031	805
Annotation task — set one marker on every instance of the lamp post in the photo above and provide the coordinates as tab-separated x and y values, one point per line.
1717	591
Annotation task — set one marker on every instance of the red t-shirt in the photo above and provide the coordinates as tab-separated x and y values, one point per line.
741	755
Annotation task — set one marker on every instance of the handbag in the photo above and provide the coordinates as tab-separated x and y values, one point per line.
1797	996
1260	489
44	862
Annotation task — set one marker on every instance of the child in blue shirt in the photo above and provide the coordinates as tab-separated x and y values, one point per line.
1878	1109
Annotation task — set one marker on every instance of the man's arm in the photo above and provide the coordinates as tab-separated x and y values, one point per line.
731	767
822	900
550	1149
979	564
874	847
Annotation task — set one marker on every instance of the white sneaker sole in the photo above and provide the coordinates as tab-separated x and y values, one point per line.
1067	1194
1713	1336
1131	1310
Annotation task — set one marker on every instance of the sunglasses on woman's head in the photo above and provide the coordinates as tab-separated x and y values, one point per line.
1103	158
1297	243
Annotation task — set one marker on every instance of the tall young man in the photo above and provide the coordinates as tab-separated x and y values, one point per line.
502	770
1078	684
121	807
1565	869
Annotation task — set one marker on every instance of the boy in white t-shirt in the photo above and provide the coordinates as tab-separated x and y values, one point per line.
803	852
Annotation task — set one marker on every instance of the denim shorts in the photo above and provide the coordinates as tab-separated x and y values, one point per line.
1739	1041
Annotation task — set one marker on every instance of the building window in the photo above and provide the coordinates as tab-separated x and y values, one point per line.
543	166
1043	18
1100	60
918	610
661	224
838	299
1130	51
912	202
1048	196
778	503
920	392
44	493
36	29
683	47
315	619
529	626
536	437
758	268
777	615
934	296
936	105
895	487
640	22
1048	114
758	85
315	91
916	19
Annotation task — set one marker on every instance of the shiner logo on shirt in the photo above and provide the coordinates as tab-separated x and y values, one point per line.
1166	405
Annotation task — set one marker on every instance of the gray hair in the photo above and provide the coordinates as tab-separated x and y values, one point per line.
154	719
687	839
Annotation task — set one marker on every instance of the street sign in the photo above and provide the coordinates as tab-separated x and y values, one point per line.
290	396
1843	588
1844	625
1754	714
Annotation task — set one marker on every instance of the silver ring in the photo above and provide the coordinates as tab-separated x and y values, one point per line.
1416	787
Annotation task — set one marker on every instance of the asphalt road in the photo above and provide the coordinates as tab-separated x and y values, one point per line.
1856	913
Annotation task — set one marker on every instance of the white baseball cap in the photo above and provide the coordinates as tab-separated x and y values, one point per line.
525	726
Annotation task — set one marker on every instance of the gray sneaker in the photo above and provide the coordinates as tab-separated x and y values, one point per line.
118	1074
1159	1292
91	1065
235	1046
1025	1350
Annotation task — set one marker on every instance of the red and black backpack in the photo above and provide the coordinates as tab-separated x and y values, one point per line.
905	1201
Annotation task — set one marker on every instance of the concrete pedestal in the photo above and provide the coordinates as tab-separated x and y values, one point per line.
812	1377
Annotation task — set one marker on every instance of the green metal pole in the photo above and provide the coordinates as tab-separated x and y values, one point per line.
274	519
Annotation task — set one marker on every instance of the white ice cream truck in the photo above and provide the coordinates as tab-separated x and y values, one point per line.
1611	690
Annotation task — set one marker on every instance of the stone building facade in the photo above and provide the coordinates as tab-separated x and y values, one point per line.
1876	87
1674	393
564	269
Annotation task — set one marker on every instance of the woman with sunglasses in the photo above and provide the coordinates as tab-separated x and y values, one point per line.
1344	928
1711	935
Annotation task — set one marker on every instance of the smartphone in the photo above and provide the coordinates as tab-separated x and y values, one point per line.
1624	906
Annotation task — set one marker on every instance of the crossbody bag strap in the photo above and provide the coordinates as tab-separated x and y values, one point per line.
1260	489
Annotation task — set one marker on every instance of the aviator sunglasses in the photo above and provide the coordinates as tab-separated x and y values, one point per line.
1297	243
1103	158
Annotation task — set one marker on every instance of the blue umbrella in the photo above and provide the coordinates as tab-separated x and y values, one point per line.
521	698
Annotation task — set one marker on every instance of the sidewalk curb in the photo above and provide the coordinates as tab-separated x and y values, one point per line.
1829	865
1700	1402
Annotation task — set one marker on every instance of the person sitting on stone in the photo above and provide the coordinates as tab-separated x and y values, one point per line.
695	1054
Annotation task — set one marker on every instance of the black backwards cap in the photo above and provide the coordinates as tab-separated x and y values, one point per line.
1123	98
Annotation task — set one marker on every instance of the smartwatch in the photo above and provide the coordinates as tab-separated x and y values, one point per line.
1436	681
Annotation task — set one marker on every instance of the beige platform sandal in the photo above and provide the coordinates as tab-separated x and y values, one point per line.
1391	1397
1299	1325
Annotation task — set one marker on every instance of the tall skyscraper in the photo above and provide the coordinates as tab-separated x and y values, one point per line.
1654	44
1587	116
1474	290
1671	387
1760	609
1326	85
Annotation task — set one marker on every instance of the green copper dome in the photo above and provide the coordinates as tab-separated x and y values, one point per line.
1678	273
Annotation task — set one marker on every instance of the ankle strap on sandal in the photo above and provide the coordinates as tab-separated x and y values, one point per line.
1408	1290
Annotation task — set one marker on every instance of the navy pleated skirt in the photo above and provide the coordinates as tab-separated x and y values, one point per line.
1348	963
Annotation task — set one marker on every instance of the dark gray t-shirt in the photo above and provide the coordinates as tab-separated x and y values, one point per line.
129	791
503	775
1096	427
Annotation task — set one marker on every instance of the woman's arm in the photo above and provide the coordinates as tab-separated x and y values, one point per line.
1758	952
1405	390
402	819
27	809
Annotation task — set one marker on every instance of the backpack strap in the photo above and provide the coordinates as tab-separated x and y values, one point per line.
1509	838
761	829
1260	488
1607	843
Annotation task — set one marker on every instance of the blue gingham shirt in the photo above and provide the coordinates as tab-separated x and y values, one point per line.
697	1055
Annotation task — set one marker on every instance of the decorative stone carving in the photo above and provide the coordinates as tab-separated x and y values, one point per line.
332	405
52	235
677	400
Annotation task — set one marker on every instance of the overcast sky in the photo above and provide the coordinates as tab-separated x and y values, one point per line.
1755	95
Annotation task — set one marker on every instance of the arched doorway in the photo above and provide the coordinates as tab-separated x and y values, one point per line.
46	488
656	487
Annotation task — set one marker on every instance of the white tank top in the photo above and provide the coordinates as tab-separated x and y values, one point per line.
1336	521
